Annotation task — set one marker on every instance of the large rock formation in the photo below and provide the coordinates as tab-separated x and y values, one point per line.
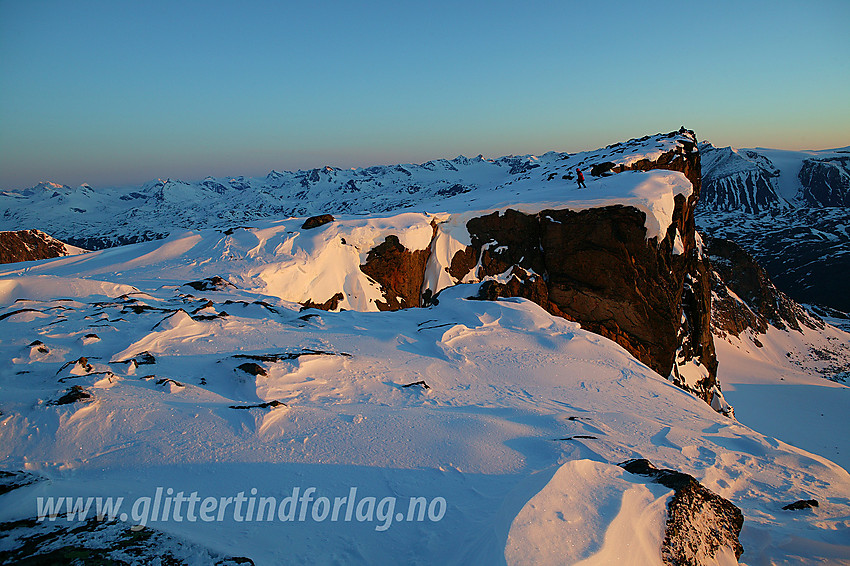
30	245
597	267
399	271
745	296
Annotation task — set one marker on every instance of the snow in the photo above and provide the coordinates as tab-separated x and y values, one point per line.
498	433
780	390
281	259
590	513
520	430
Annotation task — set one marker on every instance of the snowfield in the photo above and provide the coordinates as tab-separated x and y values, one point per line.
508	421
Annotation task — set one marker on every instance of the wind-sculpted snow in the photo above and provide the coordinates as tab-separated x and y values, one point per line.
520	406
97	218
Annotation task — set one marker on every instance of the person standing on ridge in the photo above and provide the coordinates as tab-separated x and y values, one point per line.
580	179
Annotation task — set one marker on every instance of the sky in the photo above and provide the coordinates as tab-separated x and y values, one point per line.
116	93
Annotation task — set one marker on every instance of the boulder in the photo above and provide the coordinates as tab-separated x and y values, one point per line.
316	221
699	522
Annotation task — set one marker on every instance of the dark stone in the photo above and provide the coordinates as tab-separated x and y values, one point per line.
801	504
167	380
83	363
215	283
329	305
287	355
252	369
316	221
764	303
599	169
144	358
421	384
270	405
699	522
75	393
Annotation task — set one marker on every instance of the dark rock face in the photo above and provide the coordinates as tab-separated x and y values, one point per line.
805	250
29	245
763	303
316	221
399	271
699	522
252	368
826	182
595	266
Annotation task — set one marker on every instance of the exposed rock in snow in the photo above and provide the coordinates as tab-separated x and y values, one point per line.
32	245
699	522
316	221
745	296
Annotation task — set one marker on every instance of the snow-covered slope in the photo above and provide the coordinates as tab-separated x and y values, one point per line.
520	407
188	365
774	355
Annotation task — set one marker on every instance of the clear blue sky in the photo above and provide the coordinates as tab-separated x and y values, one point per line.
117	92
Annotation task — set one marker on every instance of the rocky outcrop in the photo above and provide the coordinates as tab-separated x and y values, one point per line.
699	522
330	305
29	245
399	271
745	296
597	267
316	221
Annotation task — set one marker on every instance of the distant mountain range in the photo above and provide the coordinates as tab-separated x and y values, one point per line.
787	208
96	218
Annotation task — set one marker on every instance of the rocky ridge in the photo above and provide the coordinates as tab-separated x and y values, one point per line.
31	245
